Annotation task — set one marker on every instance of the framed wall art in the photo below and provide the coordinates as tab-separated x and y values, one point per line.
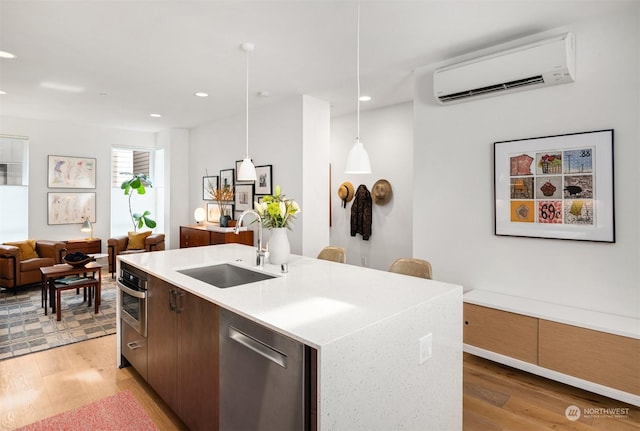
227	178
244	197
71	172
70	208
209	184
557	187
264	182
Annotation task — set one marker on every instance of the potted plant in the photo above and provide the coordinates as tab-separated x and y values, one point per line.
138	183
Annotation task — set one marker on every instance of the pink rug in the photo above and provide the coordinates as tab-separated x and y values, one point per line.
118	412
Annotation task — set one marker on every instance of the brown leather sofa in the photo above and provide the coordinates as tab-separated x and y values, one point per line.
118	245
16	272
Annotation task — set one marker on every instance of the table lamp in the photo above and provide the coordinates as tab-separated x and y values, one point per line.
199	214
87	226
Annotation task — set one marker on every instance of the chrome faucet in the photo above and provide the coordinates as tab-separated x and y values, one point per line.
260	252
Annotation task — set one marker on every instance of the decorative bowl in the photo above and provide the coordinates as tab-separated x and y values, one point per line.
77	263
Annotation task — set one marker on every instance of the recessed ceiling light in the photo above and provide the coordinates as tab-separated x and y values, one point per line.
5	54
202	94
264	94
155	115
365	98
3	92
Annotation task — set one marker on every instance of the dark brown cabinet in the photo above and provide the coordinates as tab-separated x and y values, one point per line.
183	353
87	246
197	236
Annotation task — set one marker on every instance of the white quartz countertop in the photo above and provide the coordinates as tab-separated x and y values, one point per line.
316	302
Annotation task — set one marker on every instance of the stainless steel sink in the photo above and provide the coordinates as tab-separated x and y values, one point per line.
225	275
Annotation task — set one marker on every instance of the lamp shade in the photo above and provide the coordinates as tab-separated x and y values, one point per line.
358	160
199	214
247	170
87	227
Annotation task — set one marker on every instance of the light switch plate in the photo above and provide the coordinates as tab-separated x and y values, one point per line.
425	348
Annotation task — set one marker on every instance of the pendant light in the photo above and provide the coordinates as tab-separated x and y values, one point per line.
358	159
247	170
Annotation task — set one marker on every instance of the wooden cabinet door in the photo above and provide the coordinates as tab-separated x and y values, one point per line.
502	332
161	341
607	359
198	357
192	237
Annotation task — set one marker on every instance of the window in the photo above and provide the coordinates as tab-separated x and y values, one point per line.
124	163
14	188
127	162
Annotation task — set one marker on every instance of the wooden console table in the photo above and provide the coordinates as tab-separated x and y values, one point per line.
87	246
198	235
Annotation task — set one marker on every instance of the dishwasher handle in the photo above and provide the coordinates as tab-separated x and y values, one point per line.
258	346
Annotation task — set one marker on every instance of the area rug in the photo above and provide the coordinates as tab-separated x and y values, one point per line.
121	412
25	329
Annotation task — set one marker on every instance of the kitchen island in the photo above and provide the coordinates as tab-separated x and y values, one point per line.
389	347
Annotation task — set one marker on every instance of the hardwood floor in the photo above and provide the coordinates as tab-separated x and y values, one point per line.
496	397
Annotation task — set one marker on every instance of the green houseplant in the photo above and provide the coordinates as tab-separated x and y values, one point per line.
138	183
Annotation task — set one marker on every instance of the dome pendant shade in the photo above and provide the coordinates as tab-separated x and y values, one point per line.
247	170
358	160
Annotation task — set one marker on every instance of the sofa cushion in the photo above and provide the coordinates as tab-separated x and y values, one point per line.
136	240
27	248
36	263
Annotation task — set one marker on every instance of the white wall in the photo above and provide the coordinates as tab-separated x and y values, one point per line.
387	134
275	138
453	187
66	139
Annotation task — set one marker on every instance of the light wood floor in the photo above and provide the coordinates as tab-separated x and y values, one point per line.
496	398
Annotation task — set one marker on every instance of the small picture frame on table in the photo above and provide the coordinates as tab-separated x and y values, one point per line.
264	182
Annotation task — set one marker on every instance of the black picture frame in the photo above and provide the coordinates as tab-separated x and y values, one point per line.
243	196
556	187
227	177
264	180
208	183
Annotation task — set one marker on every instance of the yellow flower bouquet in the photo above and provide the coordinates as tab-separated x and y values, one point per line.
276	210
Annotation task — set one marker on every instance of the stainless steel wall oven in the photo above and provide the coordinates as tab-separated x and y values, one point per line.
132	287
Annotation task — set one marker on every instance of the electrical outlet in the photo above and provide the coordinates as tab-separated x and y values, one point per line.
425	348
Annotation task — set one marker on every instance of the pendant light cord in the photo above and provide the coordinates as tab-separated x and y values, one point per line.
358	71
247	110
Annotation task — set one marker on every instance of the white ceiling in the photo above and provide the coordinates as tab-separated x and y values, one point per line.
128	59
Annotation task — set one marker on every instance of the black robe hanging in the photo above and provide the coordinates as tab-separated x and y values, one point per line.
361	213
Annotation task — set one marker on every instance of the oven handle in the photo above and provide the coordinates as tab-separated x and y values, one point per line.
142	294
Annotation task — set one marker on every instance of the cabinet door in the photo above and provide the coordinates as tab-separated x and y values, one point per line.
161	341
197	362
502	332
190	237
607	359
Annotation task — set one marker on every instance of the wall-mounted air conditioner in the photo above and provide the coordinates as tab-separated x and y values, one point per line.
534	65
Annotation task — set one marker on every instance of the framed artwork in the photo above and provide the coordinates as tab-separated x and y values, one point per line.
238	163
557	187
71	172
227	178
213	213
244	197
208	185
264	182
70	208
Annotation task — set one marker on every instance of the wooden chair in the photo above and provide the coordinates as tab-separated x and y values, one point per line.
413	267
334	254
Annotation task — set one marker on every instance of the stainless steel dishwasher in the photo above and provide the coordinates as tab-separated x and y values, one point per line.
265	382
